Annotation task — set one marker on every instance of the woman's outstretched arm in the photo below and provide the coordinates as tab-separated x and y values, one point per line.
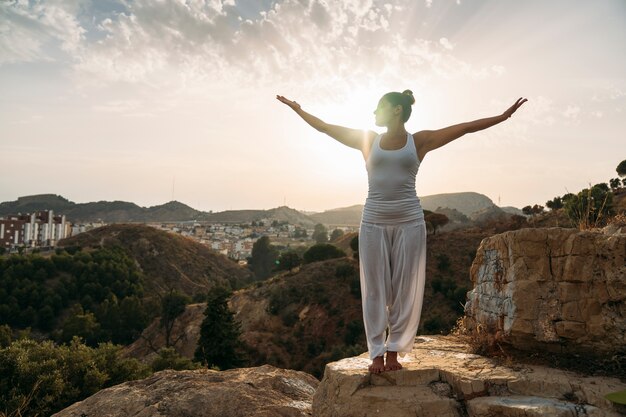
354	138
433	139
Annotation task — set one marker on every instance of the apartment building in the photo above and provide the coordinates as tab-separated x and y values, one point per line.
41	228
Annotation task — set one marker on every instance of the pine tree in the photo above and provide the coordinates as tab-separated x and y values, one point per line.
219	343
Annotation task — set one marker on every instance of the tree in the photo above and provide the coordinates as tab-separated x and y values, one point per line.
590	207
321	252
336	234
436	220
615	183
263	258
82	324
219	344
531	210
169	358
299	232
621	169
354	245
554	204
172	305
320	233
288	260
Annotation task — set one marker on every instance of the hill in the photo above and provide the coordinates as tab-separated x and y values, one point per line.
168	261
106	211
29	204
467	202
349	216
310	316
280	214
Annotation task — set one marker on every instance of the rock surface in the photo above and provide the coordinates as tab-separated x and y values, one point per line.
246	392
562	290
440	378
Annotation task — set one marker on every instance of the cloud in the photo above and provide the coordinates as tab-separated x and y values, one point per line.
571	112
171	45
37	31
446	43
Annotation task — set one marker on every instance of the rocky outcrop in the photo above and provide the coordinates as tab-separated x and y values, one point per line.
247	392
441	378
561	290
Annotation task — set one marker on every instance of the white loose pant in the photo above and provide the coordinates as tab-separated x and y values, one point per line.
392	261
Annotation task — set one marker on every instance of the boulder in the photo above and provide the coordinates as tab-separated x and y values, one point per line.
441	378
264	391
562	290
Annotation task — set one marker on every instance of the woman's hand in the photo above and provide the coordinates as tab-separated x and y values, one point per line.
294	106
509	112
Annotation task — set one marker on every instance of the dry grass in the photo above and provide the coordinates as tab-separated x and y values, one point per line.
485	343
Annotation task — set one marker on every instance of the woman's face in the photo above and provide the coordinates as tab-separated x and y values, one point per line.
384	112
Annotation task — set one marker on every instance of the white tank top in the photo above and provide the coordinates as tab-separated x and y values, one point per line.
391	196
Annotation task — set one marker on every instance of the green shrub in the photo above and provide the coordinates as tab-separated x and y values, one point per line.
322	252
41	378
169	358
355	333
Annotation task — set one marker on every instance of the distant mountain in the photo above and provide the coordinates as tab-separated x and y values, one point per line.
31	203
282	213
512	210
290	215
467	202
340	216
106	211
168	261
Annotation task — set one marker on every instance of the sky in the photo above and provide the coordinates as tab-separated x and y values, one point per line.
150	101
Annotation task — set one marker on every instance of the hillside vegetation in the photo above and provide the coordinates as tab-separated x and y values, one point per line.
167	260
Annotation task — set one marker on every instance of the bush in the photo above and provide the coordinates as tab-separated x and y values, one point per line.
354	245
169	358
434	325
443	262
322	252
288	260
591	207
43	378
355	333
344	271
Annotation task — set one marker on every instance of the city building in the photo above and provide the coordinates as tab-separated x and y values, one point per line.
41	228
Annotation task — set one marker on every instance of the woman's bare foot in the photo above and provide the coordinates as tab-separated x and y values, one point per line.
392	362
377	366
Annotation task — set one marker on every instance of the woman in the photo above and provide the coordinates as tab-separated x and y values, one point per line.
392	235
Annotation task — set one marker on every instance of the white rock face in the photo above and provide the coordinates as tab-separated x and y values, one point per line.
440	378
557	289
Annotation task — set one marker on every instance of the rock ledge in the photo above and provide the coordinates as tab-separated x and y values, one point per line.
264	391
440	378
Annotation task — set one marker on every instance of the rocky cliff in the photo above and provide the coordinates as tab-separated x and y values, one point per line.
556	289
442	378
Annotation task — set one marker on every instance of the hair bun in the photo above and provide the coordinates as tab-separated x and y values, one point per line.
410	94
